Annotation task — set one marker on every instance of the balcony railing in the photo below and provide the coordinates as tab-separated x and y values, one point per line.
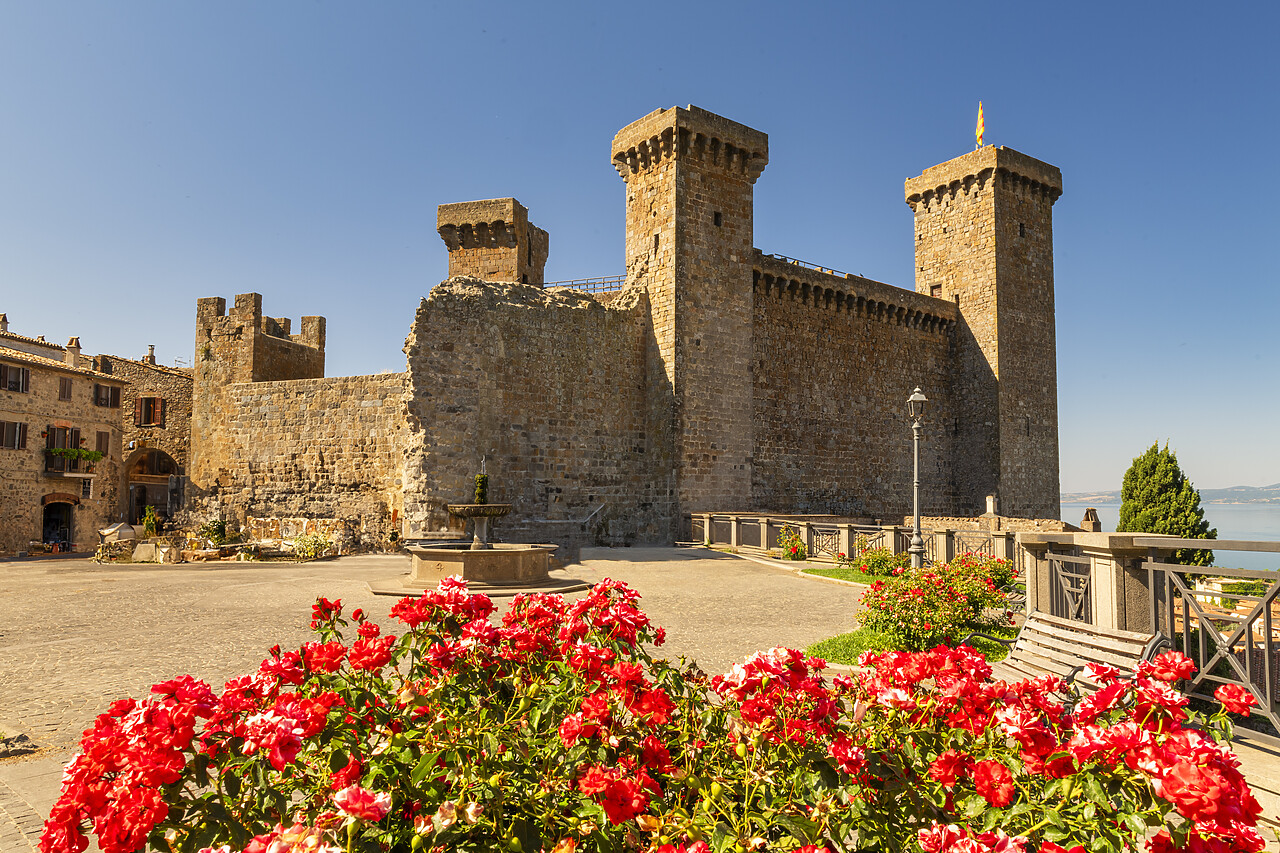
55	464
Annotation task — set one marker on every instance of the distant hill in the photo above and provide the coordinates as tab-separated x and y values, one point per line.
1233	495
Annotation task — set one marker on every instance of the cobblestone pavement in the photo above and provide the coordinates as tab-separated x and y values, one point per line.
75	635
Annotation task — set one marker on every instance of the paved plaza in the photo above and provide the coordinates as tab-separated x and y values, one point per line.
76	635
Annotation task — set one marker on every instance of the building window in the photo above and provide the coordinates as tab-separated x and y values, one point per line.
719	219
936	291
106	395
104	443
13	436
13	378
148	411
64	389
59	438
86	488
1022	229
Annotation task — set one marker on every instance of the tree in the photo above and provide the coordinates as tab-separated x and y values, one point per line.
1156	497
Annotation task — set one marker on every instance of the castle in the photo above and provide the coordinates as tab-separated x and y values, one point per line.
713	377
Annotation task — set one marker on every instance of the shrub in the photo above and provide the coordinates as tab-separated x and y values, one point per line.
309	546
213	531
876	561
482	488
792	546
936	604
557	730
149	521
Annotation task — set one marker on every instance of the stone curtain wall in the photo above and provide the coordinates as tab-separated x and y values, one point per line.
315	448
834	360
549	386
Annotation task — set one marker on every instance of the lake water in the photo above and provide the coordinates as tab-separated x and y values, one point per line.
1234	521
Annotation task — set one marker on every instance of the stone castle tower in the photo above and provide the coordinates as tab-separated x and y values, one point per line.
984	239
242	346
690	178
493	240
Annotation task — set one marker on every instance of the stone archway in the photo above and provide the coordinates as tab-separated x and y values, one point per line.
149	477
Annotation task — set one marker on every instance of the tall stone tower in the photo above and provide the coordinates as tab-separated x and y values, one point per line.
984	239
690	177
493	240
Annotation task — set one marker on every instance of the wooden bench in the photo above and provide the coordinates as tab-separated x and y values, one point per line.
1048	644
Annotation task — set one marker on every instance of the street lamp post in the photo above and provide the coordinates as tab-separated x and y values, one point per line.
915	407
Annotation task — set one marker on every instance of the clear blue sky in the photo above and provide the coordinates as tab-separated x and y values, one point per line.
157	152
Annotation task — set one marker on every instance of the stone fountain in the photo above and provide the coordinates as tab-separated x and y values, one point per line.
499	569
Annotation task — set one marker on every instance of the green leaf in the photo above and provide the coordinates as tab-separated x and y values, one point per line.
991	818
423	767
974	807
800	827
1093	790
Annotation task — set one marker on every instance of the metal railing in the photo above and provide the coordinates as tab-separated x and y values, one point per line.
825	537
604	284
1234	637
55	464
807	265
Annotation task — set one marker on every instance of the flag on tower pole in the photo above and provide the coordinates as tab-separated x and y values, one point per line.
981	126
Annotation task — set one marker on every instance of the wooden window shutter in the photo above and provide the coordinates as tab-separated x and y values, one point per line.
22	436
49	437
73	440
137	411
159	416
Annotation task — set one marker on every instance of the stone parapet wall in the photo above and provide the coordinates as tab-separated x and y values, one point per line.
992	523
548	387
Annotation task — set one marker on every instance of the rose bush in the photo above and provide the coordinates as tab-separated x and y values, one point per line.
557	730
937	604
875	561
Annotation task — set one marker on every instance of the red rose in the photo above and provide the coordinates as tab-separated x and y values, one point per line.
371	654
994	782
1170	667
1196	791
361	804
948	766
1235	698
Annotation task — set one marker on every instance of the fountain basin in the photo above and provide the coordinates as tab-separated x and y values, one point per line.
480	515
502	570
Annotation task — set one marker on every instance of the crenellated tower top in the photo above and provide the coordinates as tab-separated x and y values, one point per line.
694	135
976	170
493	240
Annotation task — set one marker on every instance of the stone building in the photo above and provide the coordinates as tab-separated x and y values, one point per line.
60	444
714	377
156	426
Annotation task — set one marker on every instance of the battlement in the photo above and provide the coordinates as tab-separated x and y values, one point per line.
493	240
977	169
246	311
694	135
853	295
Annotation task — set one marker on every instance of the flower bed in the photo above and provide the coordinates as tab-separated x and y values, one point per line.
939	604
557	730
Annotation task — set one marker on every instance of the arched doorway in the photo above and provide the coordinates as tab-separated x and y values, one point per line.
58	525
150	475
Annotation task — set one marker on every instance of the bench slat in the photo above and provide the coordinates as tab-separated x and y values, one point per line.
1124	647
1047	644
1115	633
1120	657
1083	654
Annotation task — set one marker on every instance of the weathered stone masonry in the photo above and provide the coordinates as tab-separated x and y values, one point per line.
718	379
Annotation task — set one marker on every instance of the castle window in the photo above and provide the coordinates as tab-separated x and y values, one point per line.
13	436
655	242
14	378
936	291
148	411
106	395
64	389
719	219
1022	230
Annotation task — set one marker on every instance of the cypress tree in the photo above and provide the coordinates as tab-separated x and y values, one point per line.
1156	497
